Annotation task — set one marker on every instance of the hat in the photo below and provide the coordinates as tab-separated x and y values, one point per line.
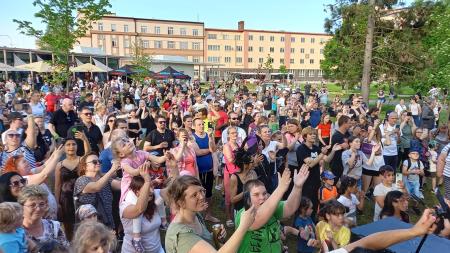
84	211
15	115
326	174
11	131
414	149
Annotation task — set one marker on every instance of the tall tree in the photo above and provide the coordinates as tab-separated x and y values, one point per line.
66	21
141	63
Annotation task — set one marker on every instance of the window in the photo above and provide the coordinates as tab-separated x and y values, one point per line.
311	73
301	73
158	44
195	32
272	38
113	27
225	37
281	50
196	72
228	48
182	31
272	49
311	61
214	59
237	37
250	37
214	47
261	49
261	60
321	51
183	45
250	60
282	39
282	61
145	44
157	30
311	51
292	50
100	26
114	42
171	44
143	29
125	28
239	48
227	59
212	36
319	73
238	59
292	39
307	56
261	38
101	37
313	40
126	43
292	61
170	30
250	49
196	45
196	59
302	50
302	61
302	40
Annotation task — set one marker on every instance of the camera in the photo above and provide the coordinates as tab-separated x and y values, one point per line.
442	212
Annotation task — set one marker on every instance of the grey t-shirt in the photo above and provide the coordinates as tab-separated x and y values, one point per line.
413	166
180	238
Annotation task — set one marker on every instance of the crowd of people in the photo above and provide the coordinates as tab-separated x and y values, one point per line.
105	167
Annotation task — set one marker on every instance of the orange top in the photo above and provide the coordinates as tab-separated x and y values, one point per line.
325	129
327	194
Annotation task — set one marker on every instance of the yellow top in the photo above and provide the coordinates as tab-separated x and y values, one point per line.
341	236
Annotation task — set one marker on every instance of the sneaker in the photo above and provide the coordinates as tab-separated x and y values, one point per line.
230	223
137	245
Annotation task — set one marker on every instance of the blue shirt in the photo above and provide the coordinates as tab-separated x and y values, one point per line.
204	162
306	224
314	120
14	242
106	156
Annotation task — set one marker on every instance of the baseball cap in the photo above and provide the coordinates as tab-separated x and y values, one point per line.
412	150
15	115
326	174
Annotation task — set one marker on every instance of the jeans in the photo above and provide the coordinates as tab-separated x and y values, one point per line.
413	188
417	120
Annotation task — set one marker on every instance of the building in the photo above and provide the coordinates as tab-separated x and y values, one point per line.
216	53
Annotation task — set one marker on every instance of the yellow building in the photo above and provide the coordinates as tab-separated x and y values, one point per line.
216	53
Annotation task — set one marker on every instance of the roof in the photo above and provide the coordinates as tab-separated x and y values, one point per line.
151	19
264	31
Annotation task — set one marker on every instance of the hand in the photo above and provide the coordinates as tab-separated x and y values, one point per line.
257	159
376	148
425	224
59	151
115	165
344	145
324	150
144	166
336	147
222	234
157	181
301	176
248	217
284	180
80	135
329	235
144	174
164	144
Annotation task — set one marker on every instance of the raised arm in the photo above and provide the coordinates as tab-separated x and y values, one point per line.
58	182
31	136
133	211
293	201
96	186
48	168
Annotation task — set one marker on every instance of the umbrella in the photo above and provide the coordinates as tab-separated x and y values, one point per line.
7	68
39	66
87	67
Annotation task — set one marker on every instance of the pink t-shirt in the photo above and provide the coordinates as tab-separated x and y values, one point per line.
230	167
188	163
141	157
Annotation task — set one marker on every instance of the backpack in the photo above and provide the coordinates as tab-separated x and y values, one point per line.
419	162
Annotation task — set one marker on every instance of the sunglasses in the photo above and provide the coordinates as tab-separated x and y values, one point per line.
95	162
18	183
234	118
13	135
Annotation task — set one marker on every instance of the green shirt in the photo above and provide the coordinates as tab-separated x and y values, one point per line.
267	238
180	238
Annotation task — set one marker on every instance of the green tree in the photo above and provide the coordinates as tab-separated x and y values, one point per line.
66	21
283	70
141	63
268	65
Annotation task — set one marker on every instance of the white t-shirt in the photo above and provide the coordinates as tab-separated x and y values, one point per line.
272	147
399	109
241	136
390	150
341	250
381	190
351	204
414	109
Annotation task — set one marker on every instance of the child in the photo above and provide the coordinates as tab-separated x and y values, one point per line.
86	212
386	185
304	228
413	168
433	161
131	160
348	189
12	234
327	191
331	230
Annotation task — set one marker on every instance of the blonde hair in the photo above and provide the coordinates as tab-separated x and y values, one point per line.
32	192
10	213
92	232
308	130
99	106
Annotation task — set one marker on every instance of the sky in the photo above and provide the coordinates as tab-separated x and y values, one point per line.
287	15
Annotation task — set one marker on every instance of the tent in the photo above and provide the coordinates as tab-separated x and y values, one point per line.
127	70
169	73
39	66
87	67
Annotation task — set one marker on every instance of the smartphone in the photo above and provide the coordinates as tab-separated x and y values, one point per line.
398	177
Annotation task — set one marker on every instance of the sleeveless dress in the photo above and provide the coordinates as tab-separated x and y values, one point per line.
240	188
68	178
134	126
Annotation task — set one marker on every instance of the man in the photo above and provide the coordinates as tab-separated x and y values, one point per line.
247	118
390	135
204	146
340	137
219	116
428	118
62	120
87	102
51	100
160	139
234	121
37	107
16	124
92	132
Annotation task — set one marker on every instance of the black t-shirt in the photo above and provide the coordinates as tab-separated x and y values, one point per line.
94	136
155	138
248	119
312	184
336	162
63	121
268	103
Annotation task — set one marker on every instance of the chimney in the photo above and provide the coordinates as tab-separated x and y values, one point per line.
241	25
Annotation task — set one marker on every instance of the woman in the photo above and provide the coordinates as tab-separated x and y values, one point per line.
395	205
65	176
93	236
11	183
110	108
143	114
128	105
381	98
93	188
145	207
353	159
324	131
44	232
293	138
108	129
370	173
407	127
373	114
185	155
415	110
100	118
175	116
134	125
187	232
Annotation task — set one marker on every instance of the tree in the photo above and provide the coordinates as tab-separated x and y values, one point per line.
283	70
268	65
66	21
141	63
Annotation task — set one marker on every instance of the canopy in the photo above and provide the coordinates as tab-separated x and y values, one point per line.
127	70
170	72
87	67
39	66
7	68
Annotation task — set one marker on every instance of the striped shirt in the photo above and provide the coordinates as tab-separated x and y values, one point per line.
22	150
446	150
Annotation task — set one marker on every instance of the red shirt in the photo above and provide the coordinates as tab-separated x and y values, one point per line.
51	99
221	121
325	129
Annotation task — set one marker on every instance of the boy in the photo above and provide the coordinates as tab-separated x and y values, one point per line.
412	168
327	191
386	185
12	234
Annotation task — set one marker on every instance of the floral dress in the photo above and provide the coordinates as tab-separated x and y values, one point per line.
52	231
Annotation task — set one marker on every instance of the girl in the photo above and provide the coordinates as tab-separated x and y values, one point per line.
433	161
131	160
395	205
324	131
351	198
331	230
273	122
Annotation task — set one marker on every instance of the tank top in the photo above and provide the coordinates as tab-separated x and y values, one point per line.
204	162
240	187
